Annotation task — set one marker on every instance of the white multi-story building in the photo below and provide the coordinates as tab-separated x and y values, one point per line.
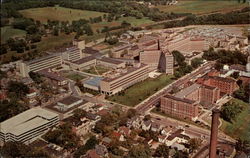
40	64
28	126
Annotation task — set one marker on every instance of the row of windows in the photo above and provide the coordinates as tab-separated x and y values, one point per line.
136	75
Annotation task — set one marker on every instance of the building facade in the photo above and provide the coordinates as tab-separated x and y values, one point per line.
40	64
123	80
28	126
178	107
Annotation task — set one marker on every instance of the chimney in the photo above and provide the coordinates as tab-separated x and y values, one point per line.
159	47
214	133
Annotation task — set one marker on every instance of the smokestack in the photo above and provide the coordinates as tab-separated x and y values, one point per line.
159	47
214	133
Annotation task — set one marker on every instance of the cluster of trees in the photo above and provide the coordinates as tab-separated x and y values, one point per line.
10	108
183	67
90	144
230	110
36	77
63	136
225	57
235	17
17	149
118	8
243	93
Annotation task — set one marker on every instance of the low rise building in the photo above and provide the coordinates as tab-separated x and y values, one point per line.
111	63
28	126
119	80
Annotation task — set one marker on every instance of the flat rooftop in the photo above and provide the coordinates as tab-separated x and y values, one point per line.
84	60
184	92
111	60
94	81
26	121
69	100
179	99
42	58
121	74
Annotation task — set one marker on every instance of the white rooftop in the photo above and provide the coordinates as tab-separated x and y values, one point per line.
26	121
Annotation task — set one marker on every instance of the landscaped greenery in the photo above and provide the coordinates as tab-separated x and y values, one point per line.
73	76
239	128
9	32
202	6
97	70
142	90
58	13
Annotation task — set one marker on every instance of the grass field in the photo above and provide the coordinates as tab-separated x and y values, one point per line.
73	76
202	6
100	70
8	32
132	20
240	127
51	42
142	90
58	13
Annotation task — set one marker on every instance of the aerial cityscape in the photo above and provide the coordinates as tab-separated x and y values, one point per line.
125	79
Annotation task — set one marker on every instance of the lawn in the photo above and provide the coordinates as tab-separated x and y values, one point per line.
142	90
240	127
52	42
58	13
8	32
97	70
132	20
202	6
73	76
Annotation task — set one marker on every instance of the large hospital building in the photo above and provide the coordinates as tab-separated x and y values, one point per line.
119	81
28	126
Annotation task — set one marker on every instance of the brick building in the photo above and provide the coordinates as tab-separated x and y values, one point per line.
179	107
226	85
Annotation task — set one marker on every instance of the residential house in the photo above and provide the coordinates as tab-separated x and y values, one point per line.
155	127
118	136
162	138
166	131
92	154
125	131
146	125
134	122
178	136
106	141
101	150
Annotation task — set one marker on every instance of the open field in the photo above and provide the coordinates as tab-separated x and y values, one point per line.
73	76
52	42
59	13
240	127
132	20
8	32
142	90
97	70
202	6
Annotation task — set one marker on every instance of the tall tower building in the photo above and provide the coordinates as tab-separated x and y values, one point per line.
214	133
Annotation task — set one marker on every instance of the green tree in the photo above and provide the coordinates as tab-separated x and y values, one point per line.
140	151
18	89
179	58
196	62
194	144
230	110
79	113
162	151
37	78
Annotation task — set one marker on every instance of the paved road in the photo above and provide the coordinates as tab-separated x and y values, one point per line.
153	100
192	129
